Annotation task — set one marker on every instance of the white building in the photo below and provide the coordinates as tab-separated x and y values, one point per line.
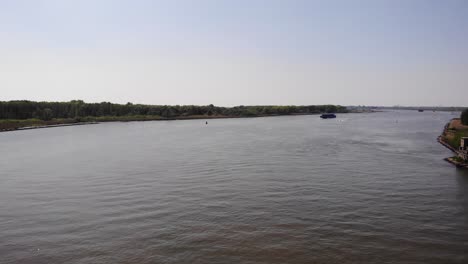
463	151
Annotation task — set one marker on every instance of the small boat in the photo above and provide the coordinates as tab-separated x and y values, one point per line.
420	110
326	116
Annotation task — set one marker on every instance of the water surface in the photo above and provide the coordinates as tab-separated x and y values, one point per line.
362	188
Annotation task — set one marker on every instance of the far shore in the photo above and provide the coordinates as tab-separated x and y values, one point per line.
58	123
18	114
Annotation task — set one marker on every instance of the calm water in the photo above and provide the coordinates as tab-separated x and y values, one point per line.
362	188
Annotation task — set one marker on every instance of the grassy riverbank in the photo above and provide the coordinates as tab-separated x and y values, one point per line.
16	124
12	124
450	138
453	132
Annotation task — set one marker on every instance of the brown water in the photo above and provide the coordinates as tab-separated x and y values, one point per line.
362	188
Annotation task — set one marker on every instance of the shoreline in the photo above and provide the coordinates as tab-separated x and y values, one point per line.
48	126
456	163
451	160
149	119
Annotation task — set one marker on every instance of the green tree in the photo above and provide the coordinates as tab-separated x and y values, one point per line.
47	114
464	117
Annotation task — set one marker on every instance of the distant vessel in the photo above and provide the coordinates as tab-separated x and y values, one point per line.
326	116
420	110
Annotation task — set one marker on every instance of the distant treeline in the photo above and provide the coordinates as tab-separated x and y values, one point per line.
78	109
427	108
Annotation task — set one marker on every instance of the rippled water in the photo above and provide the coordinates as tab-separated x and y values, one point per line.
363	188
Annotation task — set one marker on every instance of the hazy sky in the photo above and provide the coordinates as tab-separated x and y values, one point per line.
235	52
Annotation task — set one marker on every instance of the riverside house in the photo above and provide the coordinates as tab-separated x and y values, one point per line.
463	151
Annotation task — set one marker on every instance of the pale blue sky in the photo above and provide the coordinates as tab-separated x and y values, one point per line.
235	52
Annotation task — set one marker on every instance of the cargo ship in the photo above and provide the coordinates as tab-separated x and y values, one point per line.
326	116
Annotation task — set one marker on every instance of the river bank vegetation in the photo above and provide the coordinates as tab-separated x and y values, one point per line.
17	114
454	131
451	137
464	117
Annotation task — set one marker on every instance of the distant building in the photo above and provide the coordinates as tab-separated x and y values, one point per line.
464	143
463	151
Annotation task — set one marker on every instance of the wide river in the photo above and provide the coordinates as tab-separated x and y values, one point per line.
362	188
